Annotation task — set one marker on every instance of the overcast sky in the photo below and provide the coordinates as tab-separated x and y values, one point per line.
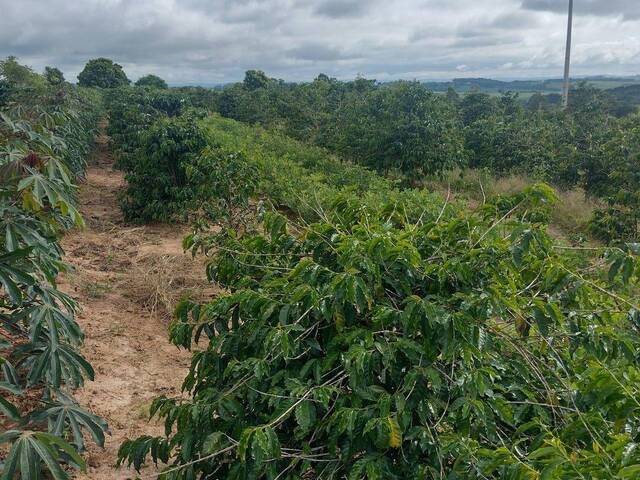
215	41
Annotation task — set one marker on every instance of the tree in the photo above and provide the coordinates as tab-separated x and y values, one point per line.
453	96
18	82
323	77
152	81
477	106
19	75
102	73
401	125
53	75
254	79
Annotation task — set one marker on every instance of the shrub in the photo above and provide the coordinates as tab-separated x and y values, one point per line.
615	225
54	76
157	179
43	149
151	81
102	73
363	346
400	126
222	183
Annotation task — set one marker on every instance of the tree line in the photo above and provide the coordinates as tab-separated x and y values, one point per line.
404	130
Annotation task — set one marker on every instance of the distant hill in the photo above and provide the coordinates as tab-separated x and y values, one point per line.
463	85
630	93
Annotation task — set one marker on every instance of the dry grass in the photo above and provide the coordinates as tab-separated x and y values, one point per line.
573	211
570	216
159	282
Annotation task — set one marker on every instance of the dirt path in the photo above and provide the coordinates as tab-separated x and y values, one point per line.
126	280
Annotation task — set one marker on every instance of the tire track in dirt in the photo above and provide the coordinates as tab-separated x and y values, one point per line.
126	280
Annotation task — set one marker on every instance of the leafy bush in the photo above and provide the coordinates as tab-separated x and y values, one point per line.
305	179
522	144
132	111
151	81
424	137
365	346
54	76
175	172
615	225
400	125
102	73
157	182
222	183
45	140
20	84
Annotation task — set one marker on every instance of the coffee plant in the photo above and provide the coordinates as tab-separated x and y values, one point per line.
158	186
403	129
44	143
369	330
367	345
132	111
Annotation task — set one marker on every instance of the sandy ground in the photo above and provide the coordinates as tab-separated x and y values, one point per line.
126	280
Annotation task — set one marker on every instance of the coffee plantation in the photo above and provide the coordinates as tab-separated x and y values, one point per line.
371	319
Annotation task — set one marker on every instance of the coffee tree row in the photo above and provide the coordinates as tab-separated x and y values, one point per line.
406	338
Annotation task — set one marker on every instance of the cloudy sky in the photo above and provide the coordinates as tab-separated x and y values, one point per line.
215	41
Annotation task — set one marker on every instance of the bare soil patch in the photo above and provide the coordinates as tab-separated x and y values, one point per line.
127	280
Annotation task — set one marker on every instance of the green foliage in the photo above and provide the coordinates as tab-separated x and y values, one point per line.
157	181
425	138
403	128
151	81
131	113
390	333
175	171
394	126
525	143
44	141
477	106
102	73
20	82
460	345
222	183
54	76
255	79
615	225
31	450
305	179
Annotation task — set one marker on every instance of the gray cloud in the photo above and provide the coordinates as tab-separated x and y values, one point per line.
343	8
514	20
214	41
628	9
317	52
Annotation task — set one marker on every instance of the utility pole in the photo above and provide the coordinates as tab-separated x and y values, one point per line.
567	59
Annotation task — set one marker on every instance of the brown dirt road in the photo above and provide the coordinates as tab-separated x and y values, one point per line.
126	279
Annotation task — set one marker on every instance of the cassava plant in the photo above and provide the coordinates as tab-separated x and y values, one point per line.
43	146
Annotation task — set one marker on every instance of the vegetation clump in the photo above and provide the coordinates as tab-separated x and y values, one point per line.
151	81
380	331
461	345
45	140
102	73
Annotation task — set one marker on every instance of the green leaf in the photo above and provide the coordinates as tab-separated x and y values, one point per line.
305	414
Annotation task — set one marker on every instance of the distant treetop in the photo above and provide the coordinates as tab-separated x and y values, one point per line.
102	73
152	81
254	79
54	76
